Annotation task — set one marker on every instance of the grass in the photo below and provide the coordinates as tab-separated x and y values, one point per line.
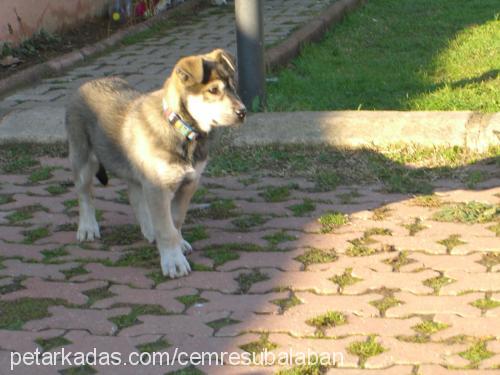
196	233
279	237
489	260
220	255
315	369
16	313
486	303
431	201
276	193
429	327
316	256
36	234
190	300
348	198
399	261
6	198
247	222
220	323
246	280
124	321
359	247
70	203
120	235
51	255
415	227
451	242
41	174
365	349
57	189
436	283
381	213
287	303
495	229
259	346
469	213
401	168
476	353
385	303
219	209
326	181
301	209
75	271
327	320
51	343
332	220
97	294
24	213
420	55
154	346
79	370
345	279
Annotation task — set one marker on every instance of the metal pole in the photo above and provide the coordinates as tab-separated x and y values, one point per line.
250	41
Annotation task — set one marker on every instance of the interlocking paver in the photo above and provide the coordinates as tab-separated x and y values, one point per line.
121	275
17	268
127	295
95	321
71	292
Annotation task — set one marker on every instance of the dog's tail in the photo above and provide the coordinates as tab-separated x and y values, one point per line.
101	175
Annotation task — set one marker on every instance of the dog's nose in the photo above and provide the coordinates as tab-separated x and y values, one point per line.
241	113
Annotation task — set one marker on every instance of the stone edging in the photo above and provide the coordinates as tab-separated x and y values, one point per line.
356	129
275	56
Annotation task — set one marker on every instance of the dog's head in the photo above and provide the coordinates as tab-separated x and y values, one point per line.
205	85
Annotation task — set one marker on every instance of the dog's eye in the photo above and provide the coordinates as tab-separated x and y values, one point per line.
213	91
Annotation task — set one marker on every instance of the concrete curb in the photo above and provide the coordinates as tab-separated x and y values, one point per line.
57	65
356	129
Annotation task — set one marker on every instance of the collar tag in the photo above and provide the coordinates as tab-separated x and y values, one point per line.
179	124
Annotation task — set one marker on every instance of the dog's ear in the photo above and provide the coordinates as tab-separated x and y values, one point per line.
189	70
223	57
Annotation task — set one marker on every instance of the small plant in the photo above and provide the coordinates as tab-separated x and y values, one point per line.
399	261
330	221
246	280
247	222
365	349
154	346
431	201
345	279
429	327
57	189
384	304
190	300
436	283
196	233
486	303
259	346
327	320
326	181
124	321
287	303
414	227
303	208
41	174
220	323
220	255
476	353
36	234
53	342
276	193
381	213
315	256
451	242
279	237
469	213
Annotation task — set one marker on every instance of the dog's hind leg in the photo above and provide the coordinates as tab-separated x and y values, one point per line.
85	166
141	211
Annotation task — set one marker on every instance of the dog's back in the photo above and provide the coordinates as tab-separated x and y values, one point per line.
93	117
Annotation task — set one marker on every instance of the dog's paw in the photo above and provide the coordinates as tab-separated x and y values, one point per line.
186	247
148	234
88	230
174	263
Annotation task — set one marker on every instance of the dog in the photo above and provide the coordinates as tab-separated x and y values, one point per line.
156	142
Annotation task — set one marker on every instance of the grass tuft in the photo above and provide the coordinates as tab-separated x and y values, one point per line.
469	213
330	221
365	349
263	344
317	256
246	280
301	209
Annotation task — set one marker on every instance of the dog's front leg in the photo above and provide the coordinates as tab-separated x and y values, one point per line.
168	237
180	205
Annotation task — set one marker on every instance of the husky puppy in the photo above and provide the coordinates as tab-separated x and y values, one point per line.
156	142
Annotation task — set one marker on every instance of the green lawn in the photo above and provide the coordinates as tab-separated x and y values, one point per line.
400	55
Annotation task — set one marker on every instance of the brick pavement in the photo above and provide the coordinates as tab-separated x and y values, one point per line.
424	308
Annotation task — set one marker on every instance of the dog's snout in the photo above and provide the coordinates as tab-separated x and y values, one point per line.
241	112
